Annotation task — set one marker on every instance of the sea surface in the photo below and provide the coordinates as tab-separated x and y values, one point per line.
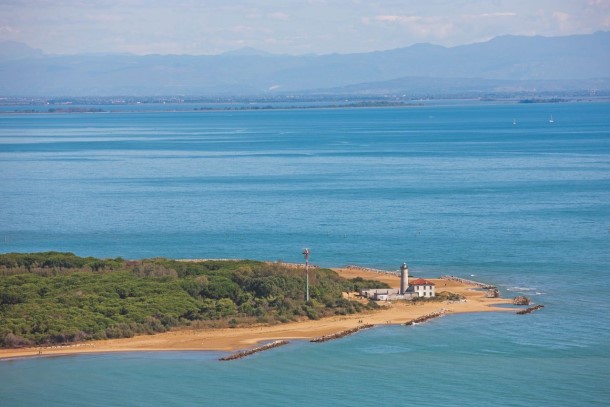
491	192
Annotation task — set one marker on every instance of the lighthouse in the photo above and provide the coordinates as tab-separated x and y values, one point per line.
404	278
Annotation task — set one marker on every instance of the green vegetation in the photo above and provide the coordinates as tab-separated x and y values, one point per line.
440	297
50	298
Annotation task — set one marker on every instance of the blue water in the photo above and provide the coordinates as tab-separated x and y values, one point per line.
450	189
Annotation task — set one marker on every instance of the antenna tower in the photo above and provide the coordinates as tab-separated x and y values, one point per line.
306	254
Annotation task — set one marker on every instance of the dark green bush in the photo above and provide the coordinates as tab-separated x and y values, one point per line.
57	297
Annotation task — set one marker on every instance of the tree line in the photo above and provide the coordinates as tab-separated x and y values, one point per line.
52	297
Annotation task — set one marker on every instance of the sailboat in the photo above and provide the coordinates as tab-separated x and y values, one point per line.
551	119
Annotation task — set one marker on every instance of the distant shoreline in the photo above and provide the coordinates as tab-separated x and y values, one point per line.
105	107
232	339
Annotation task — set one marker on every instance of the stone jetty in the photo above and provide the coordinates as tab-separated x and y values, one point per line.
492	290
424	318
341	334
248	352
529	310
521	300
492	293
378	271
471	282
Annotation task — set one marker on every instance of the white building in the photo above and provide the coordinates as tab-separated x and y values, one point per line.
423	288
407	291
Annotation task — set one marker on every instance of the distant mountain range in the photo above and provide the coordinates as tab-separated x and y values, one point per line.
506	64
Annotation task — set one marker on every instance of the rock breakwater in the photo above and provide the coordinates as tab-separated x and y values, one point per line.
470	282
378	271
492	290
248	352
341	334
521	300
424	318
529	310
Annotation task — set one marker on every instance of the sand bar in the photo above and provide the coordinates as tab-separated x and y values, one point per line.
231	339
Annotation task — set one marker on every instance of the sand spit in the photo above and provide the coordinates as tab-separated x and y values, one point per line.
233	339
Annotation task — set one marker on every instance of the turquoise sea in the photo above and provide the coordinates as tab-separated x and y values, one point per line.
451	189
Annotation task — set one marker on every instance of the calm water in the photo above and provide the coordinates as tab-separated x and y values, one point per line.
449	189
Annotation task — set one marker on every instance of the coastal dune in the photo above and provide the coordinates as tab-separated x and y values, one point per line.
231	339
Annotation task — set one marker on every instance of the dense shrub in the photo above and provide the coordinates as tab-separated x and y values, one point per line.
54	297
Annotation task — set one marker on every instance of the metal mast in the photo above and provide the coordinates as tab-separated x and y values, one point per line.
306	254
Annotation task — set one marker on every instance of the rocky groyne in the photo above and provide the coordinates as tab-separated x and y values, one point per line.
470	282
492	290
424	318
248	352
341	334
355	267
521	300
492	293
529	310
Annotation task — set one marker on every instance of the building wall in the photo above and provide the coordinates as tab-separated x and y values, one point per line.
385	294
405	296
376	291
381	297
427	290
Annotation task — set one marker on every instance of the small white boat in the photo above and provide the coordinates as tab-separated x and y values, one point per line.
551	119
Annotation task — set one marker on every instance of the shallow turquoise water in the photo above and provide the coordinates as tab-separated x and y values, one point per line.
449	189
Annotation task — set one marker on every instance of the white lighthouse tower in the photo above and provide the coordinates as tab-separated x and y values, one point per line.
404	278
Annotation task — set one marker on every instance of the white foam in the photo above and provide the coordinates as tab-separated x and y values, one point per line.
521	289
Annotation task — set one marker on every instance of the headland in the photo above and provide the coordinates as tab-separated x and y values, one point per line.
231	339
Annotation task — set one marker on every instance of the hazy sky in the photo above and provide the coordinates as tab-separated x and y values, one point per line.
289	26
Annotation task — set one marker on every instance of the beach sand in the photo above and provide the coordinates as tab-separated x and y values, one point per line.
230	339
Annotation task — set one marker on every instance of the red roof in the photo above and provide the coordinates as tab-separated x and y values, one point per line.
421	281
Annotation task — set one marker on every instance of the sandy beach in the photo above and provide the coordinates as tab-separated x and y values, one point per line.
231	339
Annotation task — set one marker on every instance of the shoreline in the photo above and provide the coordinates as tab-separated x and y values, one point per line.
83	108
243	338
